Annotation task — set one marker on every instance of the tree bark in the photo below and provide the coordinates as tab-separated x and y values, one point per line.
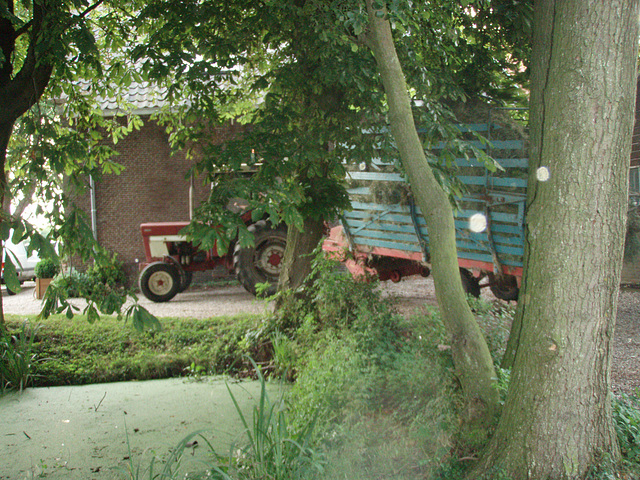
298	253
5	136
471	356
557	420
19	93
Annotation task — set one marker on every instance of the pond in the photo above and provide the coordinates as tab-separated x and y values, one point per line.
94	431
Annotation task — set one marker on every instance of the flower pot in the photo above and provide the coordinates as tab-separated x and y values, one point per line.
41	286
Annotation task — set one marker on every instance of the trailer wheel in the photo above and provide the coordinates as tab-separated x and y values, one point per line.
261	263
159	282
470	283
504	287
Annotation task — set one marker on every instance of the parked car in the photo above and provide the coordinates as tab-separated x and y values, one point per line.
25	265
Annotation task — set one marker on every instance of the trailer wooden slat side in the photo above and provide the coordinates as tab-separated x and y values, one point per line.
384	224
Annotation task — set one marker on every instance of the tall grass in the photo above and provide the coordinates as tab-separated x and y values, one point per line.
17	357
271	449
171	468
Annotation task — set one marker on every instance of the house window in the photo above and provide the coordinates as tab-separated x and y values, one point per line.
634	179
634	186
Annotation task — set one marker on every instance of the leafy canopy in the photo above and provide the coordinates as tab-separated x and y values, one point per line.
58	58
301	75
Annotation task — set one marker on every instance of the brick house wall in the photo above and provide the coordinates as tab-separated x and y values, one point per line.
153	187
631	270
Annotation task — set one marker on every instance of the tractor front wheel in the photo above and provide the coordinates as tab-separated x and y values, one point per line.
159	281
261	263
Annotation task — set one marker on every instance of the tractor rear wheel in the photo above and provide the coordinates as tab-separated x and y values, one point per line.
159	281
261	263
470	284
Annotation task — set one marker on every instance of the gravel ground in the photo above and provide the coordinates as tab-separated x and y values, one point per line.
625	371
196	302
625	368
412	294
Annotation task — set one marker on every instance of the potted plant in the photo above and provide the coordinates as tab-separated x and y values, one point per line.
45	270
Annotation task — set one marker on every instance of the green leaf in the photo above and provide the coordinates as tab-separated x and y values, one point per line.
92	313
111	303
40	244
142	319
10	275
18	233
5	230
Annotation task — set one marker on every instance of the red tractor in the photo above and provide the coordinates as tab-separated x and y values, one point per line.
171	259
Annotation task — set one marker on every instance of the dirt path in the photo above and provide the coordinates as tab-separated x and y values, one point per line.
625	369
194	303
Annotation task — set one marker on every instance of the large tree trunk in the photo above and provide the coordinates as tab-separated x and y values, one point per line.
298	253
557	418
19	92
473	363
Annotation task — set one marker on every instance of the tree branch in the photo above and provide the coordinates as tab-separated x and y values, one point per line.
72	19
86	12
24	90
90	9
23	29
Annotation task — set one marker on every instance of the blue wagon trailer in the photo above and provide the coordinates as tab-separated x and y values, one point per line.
384	234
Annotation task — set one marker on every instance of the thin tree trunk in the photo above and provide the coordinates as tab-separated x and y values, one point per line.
26	200
5	135
557	420
471	356
509	356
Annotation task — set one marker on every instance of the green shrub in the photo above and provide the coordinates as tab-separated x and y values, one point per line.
331	302
74	283
109	272
361	366
387	415
285	356
96	282
626	415
47	268
102	285
334	380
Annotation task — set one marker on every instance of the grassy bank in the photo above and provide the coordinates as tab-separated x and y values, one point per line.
75	352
